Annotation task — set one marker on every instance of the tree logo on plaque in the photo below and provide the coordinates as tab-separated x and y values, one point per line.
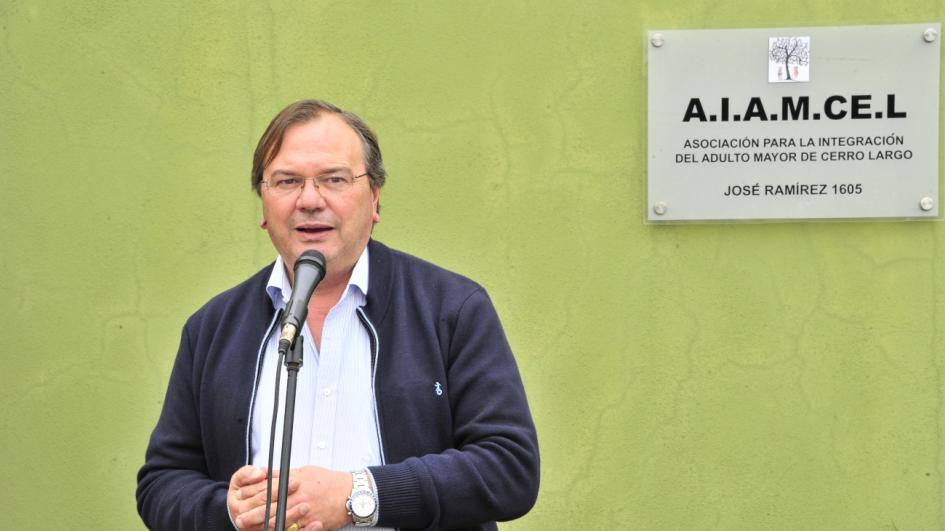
788	59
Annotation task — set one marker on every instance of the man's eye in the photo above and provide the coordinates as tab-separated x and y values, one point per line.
334	180
287	182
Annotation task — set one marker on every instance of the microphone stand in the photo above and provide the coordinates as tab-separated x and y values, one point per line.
293	362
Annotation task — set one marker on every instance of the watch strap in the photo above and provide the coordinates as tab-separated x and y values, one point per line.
362	485
361	481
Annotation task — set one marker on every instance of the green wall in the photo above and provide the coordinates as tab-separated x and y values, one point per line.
726	376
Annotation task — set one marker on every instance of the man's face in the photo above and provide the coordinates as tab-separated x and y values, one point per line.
337	224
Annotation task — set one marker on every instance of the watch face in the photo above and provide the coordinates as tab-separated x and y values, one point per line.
362	505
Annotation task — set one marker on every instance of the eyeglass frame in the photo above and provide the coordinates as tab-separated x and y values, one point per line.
314	180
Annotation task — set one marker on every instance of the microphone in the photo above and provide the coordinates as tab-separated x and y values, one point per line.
309	271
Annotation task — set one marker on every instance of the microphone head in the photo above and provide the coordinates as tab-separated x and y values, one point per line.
309	271
311	258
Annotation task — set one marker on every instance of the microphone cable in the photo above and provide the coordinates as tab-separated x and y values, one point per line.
272	438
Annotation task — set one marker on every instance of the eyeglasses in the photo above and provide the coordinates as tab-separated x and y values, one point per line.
332	183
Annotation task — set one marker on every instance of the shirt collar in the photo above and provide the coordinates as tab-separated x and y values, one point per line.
279	289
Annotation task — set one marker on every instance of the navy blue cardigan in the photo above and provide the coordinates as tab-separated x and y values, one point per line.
462	458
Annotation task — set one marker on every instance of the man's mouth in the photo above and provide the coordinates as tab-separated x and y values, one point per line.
312	229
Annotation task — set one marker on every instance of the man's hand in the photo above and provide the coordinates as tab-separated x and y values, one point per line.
319	500
246	498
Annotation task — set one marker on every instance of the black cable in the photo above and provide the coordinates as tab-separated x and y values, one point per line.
272	439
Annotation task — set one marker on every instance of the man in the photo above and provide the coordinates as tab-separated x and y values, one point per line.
410	410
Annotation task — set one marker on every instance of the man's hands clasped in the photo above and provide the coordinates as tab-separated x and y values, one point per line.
316	498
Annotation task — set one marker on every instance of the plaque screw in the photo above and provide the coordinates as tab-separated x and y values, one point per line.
930	35
657	39
659	208
926	203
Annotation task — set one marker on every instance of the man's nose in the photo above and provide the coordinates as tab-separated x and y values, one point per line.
310	196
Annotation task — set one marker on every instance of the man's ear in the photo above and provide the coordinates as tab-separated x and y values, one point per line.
376	215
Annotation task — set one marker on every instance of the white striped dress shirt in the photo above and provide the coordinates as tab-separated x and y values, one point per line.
334	409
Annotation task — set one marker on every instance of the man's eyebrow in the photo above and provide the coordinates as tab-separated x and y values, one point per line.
285	173
326	171
334	169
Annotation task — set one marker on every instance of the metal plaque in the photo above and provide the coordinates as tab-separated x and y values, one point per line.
793	123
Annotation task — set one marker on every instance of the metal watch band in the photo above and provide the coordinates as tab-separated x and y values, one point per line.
362	485
361	481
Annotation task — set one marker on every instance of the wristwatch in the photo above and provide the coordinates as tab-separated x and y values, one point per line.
362	504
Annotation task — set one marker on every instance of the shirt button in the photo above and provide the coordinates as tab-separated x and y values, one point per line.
326	391
322	445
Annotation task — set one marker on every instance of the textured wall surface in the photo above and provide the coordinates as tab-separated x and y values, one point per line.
740	376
